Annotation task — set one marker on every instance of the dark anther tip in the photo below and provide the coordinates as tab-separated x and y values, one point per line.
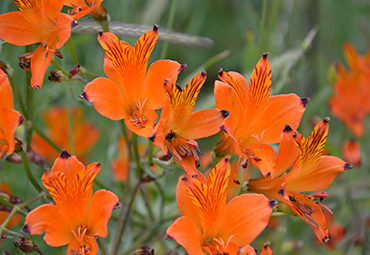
266	244
36	87
220	72
327	119
236	181
227	158
255	250
326	239
151	138
305	101
74	23
272	203
84	96
166	81
225	113
203	73
194	175
97	164
64	154
178	87
184	178
170	238
348	166
21	119
281	191
268	174
295	133
25	230
287	128
222	128
155	27
117	206
100	33
183	67
265	55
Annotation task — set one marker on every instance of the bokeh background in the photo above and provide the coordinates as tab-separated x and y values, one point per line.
304	39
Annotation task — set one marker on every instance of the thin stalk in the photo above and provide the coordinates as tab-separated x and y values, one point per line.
119	234
27	169
18	96
161	206
46	138
147	205
7	204
70	123
281	236
29	99
262	25
72	51
85	71
150	152
11	233
125	135
135	148
30	201
10	216
169	26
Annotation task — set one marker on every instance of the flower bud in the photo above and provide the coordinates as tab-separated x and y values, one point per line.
25	61
144	250
25	245
56	76
74	71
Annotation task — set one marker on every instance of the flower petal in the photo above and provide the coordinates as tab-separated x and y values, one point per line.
80	248
288	151
144	130
39	63
246	216
107	98
100	211
11	120
263	158
67	164
187	234
52	8
64	27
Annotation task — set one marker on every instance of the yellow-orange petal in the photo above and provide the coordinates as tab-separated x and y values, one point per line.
16	29
329	167
158	72
39	63
266	250
47	218
107	98
352	153
6	93
11	120
288	151
187	234
64	27
144	129
100	211
202	124
246	216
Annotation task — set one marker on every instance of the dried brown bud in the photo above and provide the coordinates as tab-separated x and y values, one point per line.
144	250
24	245
25	61
74	71
56	76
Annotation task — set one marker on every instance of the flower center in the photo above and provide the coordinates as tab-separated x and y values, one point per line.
217	246
80	235
137	117
180	147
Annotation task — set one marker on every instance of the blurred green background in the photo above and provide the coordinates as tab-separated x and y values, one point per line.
303	37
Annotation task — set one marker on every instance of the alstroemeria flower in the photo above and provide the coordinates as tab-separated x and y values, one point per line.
208	224
179	126
311	171
37	21
78	217
10	119
351	100
83	7
256	119
85	134
249	250
352	152
130	92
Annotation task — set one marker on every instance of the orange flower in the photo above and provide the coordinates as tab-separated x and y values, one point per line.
249	250
311	171
4	211
37	21
85	134
10	119
78	217
179	126
82	7
256	119
130	92
120	166
208	224
352	153
351	100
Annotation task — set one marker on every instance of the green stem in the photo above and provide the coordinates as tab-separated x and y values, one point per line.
70	123
17	94
119	233
27	168
29	99
11	233
30	201
135	148
72	51
150	152
85	71
46	138
281	236
169	26
262	25
60	68
7	204
161	206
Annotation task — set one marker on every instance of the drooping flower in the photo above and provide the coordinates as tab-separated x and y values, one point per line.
311	171
37	21
256	119
10	119
208	224
131	92
85	134
352	153
78	217
178	126
351	100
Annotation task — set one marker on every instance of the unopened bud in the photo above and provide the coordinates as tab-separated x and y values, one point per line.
144	250
74	71
3	236
25	61
17	145
56	76
24	245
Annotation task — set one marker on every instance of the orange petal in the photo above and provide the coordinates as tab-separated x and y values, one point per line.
329	167
288	151
183	101
47	218
89	243
39	63
158	137
100	211
246	216
144	130
352	57
266	250
228	145
202	124
248	250
52	8
6	94
11	120
64	27
16	29
107	98
158	72
67	164
187	234
263	158
189	165
352	153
